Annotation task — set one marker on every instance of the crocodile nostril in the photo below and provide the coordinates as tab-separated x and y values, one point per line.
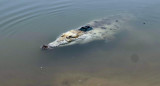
44	47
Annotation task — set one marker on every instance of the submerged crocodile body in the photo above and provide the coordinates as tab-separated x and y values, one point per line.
102	29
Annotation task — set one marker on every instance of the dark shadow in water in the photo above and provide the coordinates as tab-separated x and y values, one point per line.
135	58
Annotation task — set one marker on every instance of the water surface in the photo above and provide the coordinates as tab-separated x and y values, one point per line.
131	59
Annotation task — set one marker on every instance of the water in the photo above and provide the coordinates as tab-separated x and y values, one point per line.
131	59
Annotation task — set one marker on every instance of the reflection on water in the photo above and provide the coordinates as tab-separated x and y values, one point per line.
131	59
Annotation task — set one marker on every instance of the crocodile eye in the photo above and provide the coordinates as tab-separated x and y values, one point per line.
69	37
62	36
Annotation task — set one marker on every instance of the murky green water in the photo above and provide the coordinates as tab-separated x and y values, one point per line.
131	59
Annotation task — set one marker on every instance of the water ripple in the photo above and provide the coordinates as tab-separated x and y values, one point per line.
21	12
